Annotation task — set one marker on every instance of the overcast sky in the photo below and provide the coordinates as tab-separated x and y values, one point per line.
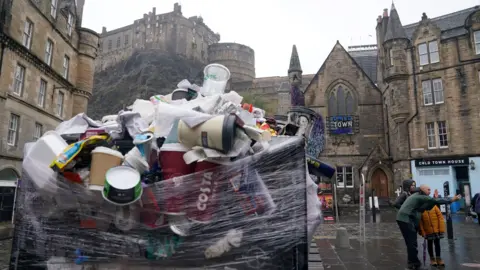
271	27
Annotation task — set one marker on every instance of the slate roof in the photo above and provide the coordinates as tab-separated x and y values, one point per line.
451	25
367	60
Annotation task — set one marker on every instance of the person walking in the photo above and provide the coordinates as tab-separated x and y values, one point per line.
408	220
432	228
475	206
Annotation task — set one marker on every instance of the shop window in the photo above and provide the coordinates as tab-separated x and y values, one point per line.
437	135
436	171
345	176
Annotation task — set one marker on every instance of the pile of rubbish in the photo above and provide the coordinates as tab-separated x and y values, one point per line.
193	178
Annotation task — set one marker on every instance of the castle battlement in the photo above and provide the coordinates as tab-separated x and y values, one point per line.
169	32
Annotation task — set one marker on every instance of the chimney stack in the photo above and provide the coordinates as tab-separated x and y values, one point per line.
385	12
154	10
104	30
379	19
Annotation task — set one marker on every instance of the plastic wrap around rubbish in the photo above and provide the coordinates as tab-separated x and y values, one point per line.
250	213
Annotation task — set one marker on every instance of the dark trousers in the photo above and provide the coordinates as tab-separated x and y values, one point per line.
410	236
430	244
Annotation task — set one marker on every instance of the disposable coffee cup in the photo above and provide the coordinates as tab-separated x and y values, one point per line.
103	159
215	80
135	160
122	186
171	161
173	168
144	142
216	133
202	200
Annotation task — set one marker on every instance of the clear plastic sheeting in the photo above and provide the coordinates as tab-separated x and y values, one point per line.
247	213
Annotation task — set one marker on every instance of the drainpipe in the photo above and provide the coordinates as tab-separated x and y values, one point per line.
415	92
388	132
1	56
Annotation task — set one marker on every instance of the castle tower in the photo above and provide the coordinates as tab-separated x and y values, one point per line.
393	43
87	51
295	77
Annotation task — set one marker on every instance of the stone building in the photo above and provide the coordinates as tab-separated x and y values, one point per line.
47	66
409	108
169	32
428	74
345	94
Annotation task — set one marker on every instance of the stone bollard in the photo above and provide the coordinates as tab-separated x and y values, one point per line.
342	238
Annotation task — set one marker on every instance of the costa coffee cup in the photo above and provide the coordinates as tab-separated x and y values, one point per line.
202	200
173	167
217	133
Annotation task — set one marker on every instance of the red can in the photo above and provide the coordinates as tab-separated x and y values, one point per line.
173	168
202	199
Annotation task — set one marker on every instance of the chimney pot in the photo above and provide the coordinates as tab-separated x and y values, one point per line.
379	19
385	12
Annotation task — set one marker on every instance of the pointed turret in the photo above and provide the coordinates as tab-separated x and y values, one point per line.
395	28
295	70
294	61
295	77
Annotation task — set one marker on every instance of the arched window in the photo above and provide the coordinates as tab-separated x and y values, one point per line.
341	101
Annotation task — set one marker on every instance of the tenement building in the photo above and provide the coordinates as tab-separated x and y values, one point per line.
412	113
429	78
47	65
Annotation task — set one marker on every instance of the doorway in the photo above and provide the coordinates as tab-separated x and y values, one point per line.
380	183
462	180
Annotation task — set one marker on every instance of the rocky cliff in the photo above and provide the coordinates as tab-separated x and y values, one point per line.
144	74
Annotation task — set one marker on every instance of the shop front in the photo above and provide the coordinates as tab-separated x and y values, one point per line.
460	173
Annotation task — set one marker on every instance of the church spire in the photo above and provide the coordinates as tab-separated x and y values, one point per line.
294	61
295	78
295	70
395	28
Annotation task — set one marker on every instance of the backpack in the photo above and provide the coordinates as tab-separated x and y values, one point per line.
477	205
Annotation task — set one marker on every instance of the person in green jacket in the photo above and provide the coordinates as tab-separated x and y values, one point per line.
408	218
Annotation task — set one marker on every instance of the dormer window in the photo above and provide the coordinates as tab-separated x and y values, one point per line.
477	42
428	53
69	24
